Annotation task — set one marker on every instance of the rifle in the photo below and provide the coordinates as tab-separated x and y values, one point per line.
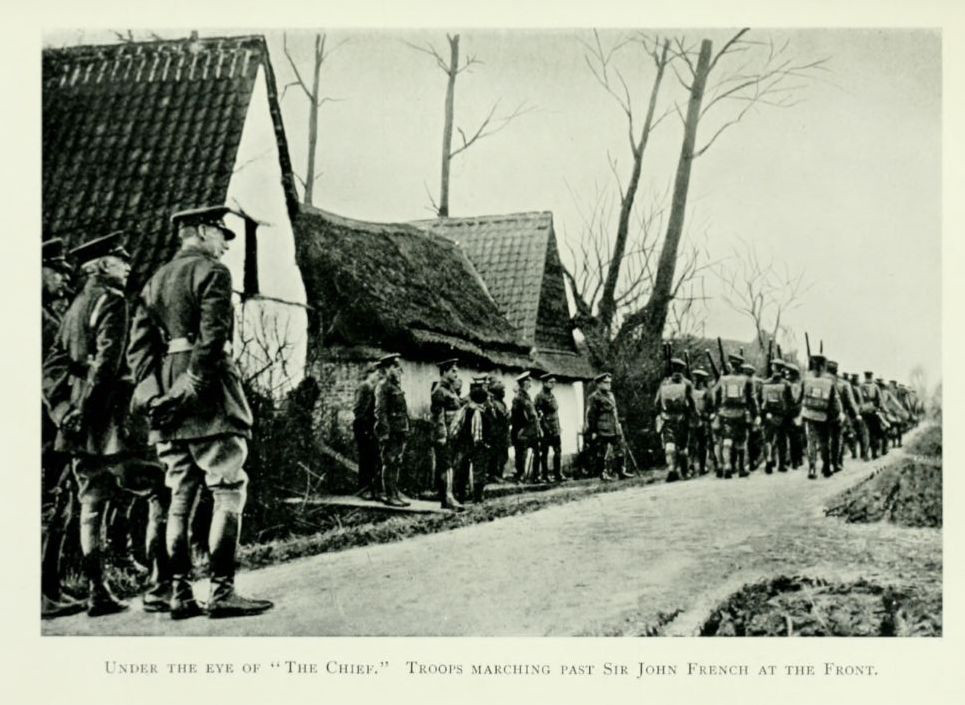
713	367
821	349
780	353
807	343
724	365
666	358
770	356
690	375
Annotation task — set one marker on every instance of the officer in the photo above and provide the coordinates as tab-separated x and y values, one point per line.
87	391
820	410
469	434
603	430
548	411
363	428
736	408
525	433
777	409
391	427
676	414
180	352
443	405
701	440
55	467
499	424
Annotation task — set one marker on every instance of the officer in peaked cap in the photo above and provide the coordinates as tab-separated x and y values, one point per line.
603	433
444	404
180	354
363	429
524	430
548	409
391	427
500	426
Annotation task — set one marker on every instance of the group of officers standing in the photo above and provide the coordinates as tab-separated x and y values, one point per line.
471	435
739	420
149	405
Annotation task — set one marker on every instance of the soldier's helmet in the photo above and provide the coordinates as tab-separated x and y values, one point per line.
677	365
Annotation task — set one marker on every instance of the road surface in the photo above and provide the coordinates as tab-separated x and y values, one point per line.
613	563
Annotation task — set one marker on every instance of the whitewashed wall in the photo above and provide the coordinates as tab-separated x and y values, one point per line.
256	186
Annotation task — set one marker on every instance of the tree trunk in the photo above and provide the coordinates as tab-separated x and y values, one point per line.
655	312
313	121
447	129
607	308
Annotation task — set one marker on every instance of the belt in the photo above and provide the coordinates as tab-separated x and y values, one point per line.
179	345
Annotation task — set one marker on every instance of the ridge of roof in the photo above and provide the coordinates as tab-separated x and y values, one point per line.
491	218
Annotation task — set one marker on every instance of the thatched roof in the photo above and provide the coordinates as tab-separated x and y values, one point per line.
394	287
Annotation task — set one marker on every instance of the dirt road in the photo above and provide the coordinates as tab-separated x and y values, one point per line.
610	564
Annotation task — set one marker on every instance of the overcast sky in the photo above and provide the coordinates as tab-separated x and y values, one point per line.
846	184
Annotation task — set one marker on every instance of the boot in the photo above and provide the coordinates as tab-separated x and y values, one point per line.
448	500
223	600
122	544
100	600
51	608
182	604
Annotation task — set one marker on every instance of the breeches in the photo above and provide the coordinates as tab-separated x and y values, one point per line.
218	462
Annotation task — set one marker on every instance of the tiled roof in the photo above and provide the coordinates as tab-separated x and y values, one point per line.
134	131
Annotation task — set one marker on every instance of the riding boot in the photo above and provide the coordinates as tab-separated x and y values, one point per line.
121	541
448	499
182	603
223	542
100	600
158	595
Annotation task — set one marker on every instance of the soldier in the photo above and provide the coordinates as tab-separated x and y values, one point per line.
603	429
755	434
87	391
469	432
391	427
796	437
899	413
55	467
777	409
547	409
885	416
870	408
677	412
736	408
701	440
525	431
363	428
841	432
499	442
443	406
859	446
180	352
820	409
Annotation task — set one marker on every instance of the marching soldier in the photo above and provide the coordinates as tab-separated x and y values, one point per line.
778	405
525	428
820	409
603	430
796	438
736	407
859	446
180	352
443	406
885	416
677	412
391	427
499	442
897	410
871	414
363	428
701	441
841	432
755	434
87	391
57	478
547	409
470	430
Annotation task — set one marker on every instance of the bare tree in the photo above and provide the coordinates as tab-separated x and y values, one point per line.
490	125
763	291
315	101
918	381
265	350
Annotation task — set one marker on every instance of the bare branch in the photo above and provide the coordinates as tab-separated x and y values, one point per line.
490	126
430	51
298	76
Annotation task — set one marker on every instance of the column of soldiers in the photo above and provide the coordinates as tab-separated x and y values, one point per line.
741	422
152	405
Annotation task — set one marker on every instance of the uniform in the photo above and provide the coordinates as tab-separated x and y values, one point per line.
363	428
525	432
470	431
755	434
180	353
796	435
443	406
677	414
499	441
548	410
392	430
701	438
736	408
87	390
820	409
842	433
604	432
870	408
777	409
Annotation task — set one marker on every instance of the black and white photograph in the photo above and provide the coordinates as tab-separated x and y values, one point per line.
491	332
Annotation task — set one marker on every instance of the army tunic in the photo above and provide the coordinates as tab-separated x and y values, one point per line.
500	441
678	410
363	428
392	430
778	406
525	430
603	430
548	410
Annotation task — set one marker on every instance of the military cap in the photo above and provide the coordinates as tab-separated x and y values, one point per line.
496	385
819	357
736	358
869	374
778	362
447	365
547	377
53	255
523	376
879	380
111	244
832	365
479	381
678	363
206	215
606	376
792	367
749	368
700	372
388	360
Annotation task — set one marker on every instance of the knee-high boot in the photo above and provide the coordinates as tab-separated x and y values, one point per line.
224	601
100	600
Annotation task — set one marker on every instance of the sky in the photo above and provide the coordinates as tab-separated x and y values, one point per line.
844	186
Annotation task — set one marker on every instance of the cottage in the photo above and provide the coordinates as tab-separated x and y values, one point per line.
135	131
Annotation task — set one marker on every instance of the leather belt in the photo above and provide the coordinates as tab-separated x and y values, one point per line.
179	345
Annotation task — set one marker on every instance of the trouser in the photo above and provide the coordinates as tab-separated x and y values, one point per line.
836	441
522	449
368	454
864	440
755	446
608	449
675	436
470	475
797	443
498	455
874	434
775	444
392	449
60	487
217	462
819	435
444	469
546	443
700	445
733	450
